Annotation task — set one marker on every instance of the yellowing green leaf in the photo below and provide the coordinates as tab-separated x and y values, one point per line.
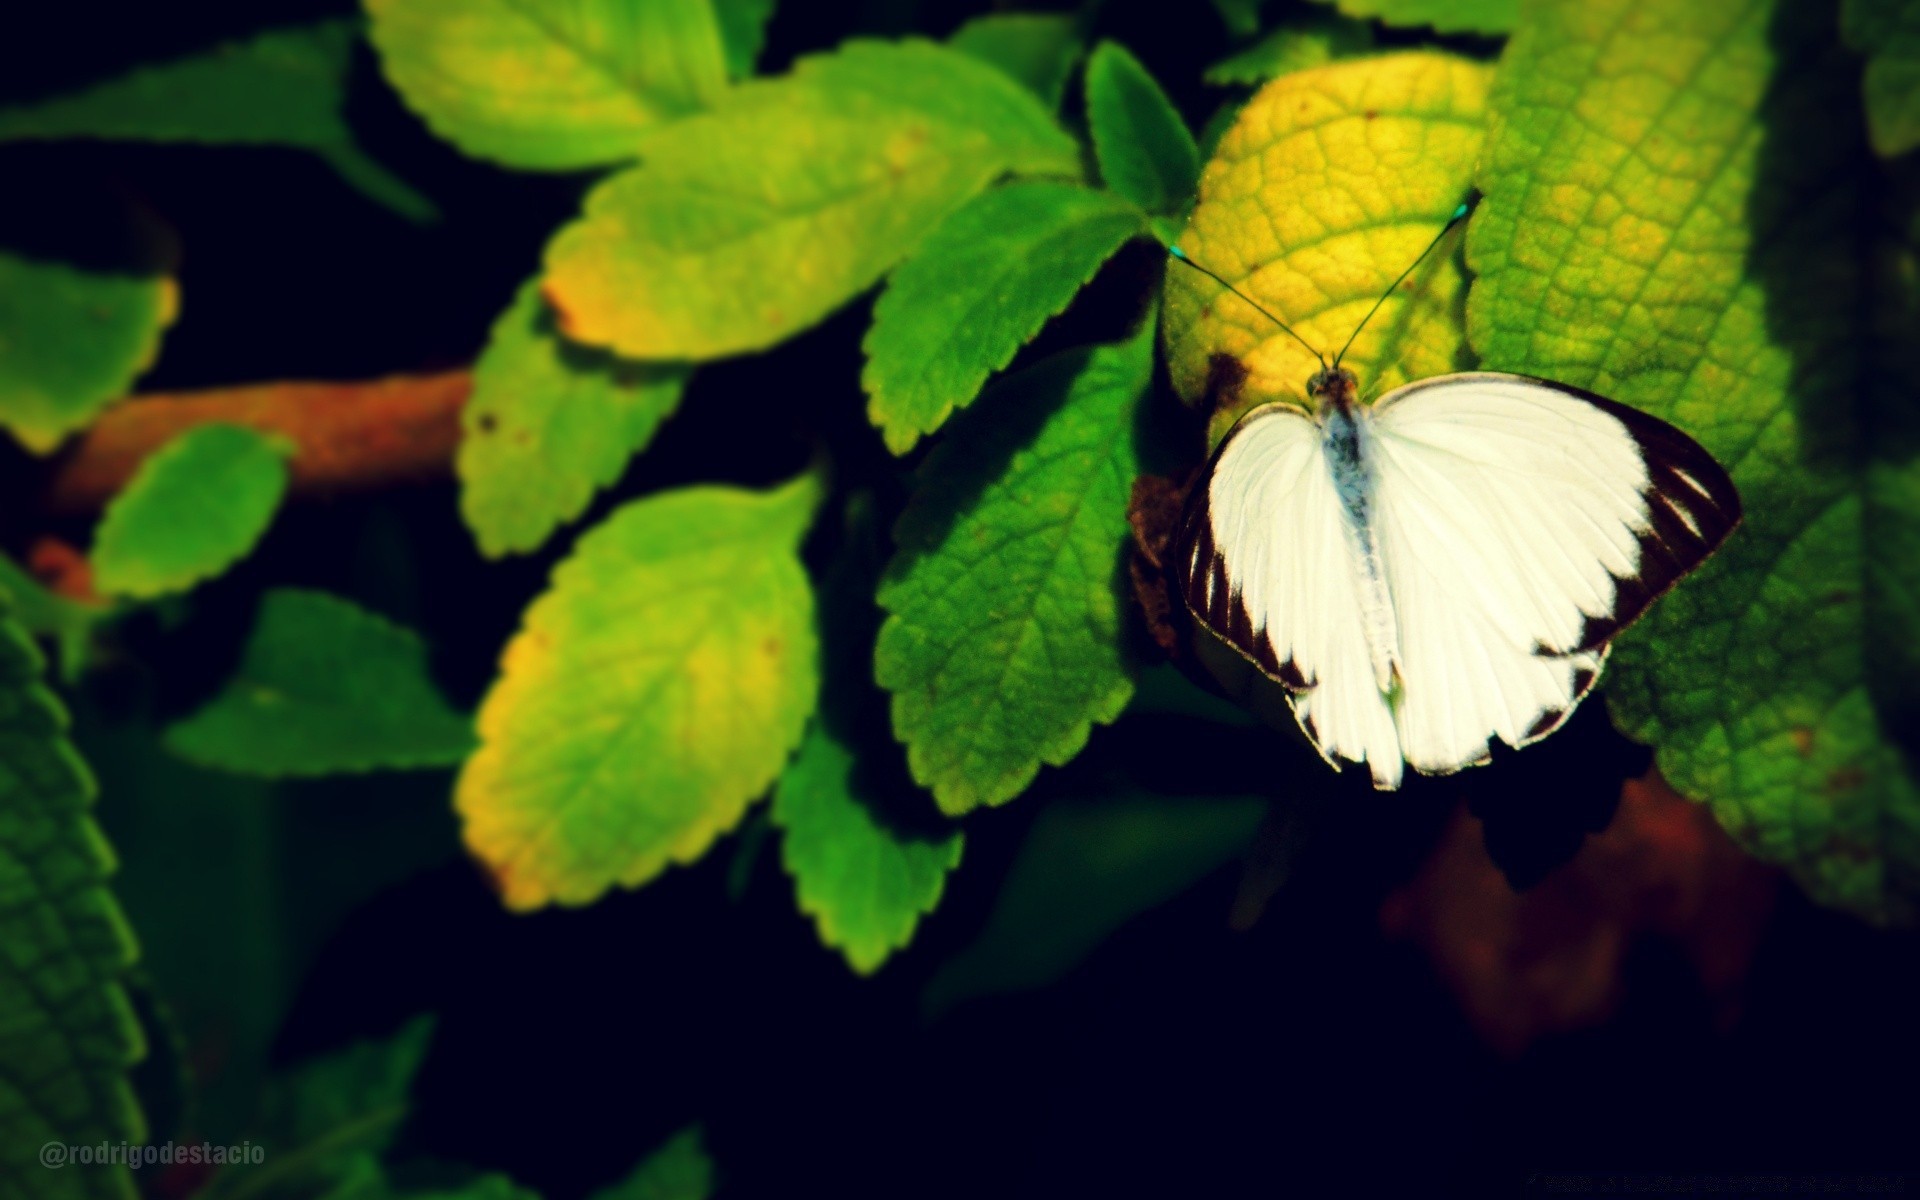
1444	16
1672	218
72	341
324	687
678	1170
1038	49
550	87
287	87
751	223
1329	184
1146	152
548	424
978	289
68	1036
1004	646
1888	33
653	691
1312	42
194	508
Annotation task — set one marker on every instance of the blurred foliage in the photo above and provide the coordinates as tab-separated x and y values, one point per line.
1703	210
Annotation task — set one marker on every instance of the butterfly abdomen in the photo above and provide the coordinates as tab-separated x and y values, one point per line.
1344	438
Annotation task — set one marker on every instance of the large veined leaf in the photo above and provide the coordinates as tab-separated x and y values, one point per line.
1146	152
1888	33
324	687
194	508
550	87
1004	647
286	87
1672	217
1373	156
1038	49
750	223
654	691
978	289
549	423
68	1035
1444	16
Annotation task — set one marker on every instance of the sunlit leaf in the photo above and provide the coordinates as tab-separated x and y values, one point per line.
1004	645
1038	49
1087	867
751	223
1373	155
550	87
980	287
287	87
68	1035
1888	33
652	693
1312	42
194	508
1673	218
1444	16
678	1170
549	423
1146	152
324	687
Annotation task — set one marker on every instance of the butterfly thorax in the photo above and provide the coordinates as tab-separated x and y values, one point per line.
1332	389
1349	456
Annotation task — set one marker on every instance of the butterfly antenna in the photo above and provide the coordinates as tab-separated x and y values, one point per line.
1180	254
1459	214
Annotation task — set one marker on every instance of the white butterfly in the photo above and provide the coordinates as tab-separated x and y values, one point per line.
1446	565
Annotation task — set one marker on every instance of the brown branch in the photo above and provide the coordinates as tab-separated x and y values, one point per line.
347	436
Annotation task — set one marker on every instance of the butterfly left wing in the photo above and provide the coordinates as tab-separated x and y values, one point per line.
1522	524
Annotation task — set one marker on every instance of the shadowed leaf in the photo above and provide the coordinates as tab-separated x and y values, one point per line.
1146	152
1037	49
1443	16
1311	42
1888	33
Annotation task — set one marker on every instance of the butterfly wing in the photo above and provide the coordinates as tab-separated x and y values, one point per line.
1522	524
1267	518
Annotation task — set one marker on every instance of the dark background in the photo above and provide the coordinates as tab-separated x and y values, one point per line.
1310	1055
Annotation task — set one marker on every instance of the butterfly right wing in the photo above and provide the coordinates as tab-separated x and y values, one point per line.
1266	561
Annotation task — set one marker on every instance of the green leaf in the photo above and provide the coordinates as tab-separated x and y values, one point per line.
751	223
287	87
324	687
743	31
321	1122
67	623
653	692
978	289
1146	152
1241	17
1004	645
68	1034
1443	16
1037	49
1087	867
1888	33
194	508
1311	42
549	423
549	88
1672	218
76	330
678	1170
1375	154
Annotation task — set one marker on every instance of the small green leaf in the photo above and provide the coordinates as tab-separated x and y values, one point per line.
1086	868
1241	17
678	1170
1310	42
743	31
68	1034
1037	49
1888	33
550	88
1004	645
1146	152
287	87
67	623
978	289
1443	16
321	1122
653	692
548	424
324	687
194	508
748	224
1673	218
